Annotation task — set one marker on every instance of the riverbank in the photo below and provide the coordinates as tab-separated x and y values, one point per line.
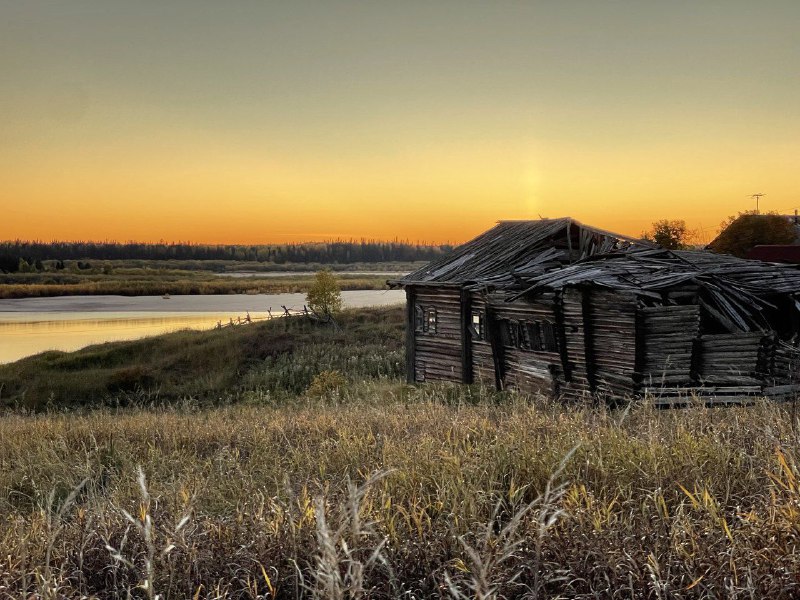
32	325
282	355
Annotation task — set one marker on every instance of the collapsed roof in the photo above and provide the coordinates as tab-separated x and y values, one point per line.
513	250
737	292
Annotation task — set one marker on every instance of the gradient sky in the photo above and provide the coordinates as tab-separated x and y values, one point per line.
256	122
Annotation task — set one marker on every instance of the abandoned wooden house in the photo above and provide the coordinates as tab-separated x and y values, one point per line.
448	337
556	306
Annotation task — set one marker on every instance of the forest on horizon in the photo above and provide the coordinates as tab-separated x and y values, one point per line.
333	252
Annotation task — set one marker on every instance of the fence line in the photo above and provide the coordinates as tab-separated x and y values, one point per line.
247	319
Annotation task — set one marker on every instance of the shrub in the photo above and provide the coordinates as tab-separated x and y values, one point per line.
326	384
325	296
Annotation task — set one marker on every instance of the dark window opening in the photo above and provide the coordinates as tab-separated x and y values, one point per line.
523	336
511	337
535	337
549	341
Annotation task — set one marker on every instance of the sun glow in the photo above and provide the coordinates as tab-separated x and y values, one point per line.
284	124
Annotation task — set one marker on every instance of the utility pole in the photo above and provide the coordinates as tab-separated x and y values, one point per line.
757	197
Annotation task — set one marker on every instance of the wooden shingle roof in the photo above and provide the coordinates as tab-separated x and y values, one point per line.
736	290
514	249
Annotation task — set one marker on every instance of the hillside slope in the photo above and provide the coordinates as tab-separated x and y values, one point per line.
279	357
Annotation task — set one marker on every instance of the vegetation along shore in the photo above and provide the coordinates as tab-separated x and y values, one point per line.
155	282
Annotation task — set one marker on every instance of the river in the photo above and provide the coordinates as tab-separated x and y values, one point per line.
32	325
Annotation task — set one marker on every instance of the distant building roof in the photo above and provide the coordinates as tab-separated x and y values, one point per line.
787	253
513	249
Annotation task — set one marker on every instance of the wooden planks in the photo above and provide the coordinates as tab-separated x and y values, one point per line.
667	335
611	318
730	359
438	353
410	334
575	382
526	364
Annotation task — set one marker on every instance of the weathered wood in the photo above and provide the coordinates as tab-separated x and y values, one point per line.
466	338
437	353
685	326
493	335
410	336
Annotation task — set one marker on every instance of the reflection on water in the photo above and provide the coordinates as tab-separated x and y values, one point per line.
19	338
33	325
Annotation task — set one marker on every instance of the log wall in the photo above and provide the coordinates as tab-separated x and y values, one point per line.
731	359
667	335
482	361
783	381
438	355
607	347
575	383
611	320
526	369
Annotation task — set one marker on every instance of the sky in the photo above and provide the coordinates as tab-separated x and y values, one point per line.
256	122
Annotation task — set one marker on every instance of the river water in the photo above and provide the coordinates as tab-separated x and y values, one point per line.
32	325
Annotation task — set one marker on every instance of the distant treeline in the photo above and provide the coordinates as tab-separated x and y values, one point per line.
339	251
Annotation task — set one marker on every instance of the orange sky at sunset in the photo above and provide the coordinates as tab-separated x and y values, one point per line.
270	122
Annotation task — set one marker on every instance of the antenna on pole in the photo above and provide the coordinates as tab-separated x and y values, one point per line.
757	197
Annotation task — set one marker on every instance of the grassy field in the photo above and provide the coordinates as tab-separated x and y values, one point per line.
320	474
126	280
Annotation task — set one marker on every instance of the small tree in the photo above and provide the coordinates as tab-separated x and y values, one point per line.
741	233
325	296
671	235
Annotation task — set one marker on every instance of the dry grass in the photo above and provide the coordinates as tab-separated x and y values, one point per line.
386	491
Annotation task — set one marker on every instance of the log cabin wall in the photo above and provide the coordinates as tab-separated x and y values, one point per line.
667	336
437	340
783	380
530	353
732	363
611	343
575	383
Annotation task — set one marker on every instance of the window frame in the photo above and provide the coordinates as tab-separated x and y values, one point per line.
530	336
478	329
430	320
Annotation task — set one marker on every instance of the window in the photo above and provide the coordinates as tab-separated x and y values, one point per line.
542	336
477	326
523	336
511	331
425	319
429	325
549	342
535	334
536	337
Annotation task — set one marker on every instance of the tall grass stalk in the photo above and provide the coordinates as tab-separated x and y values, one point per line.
474	499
